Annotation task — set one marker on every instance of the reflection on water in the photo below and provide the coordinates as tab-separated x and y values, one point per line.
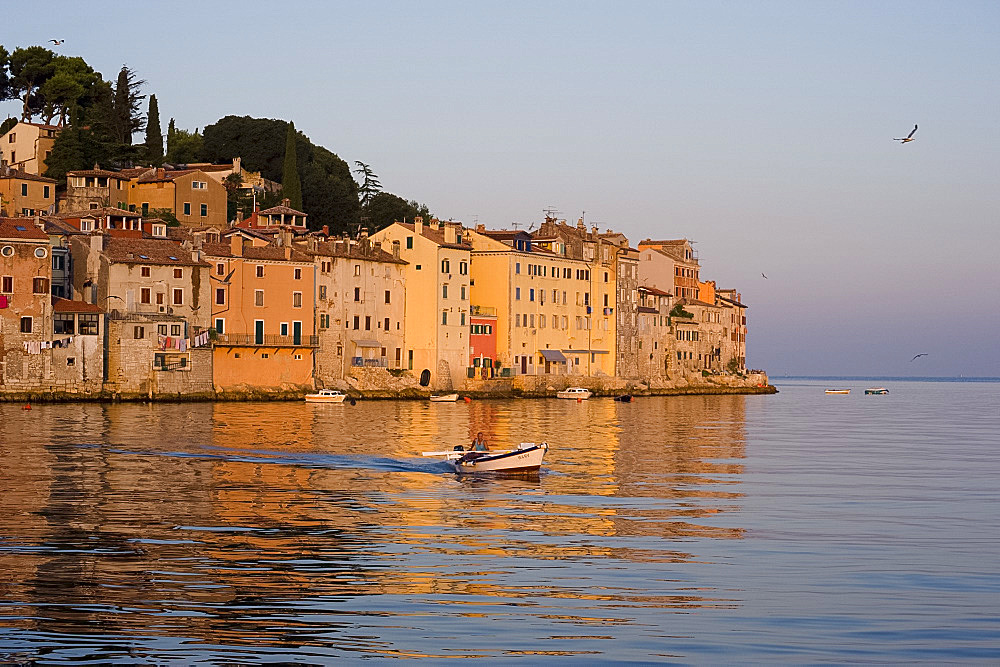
171	531
709	529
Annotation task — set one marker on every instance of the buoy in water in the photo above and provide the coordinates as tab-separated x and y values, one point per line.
579	400
26	407
468	400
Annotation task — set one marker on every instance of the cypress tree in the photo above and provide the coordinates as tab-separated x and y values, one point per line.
154	136
170	138
291	184
122	113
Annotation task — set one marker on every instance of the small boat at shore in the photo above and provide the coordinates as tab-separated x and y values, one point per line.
526	458
624	398
443	398
326	396
575	393
877	391
838	391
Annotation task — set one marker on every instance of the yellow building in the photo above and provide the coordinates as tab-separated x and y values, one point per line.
552	313
27	145
24	194
437	290
262	312
191	195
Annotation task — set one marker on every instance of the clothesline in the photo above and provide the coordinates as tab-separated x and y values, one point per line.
36	346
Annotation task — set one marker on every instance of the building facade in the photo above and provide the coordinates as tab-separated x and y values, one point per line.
23	194
26	146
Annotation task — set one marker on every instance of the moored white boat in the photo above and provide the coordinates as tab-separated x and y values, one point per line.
575	393
444	398
527	458
326	396
876	390
838	391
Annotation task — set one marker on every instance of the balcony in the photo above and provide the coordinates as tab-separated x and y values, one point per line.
371	362
266	340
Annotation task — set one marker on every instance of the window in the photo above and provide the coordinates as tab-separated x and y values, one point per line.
138	332
159	230
357	294
175	330
162	329
409	243
258	297
86	225
63	323
283	328
260	271
463	267
531	295
357	322
517	293
444	291
88	324
220	325
187	208
444	317
178	297
463	292
25	325
220	296
298	274
198	185
462	319
357	269
517	267
145	295
517	320
204	210
40	286
368	322
220	269
159	298
418	267
24	189
7	284
387	324
322	291
445	266
145	208
387	296
296	299
144	271
178	273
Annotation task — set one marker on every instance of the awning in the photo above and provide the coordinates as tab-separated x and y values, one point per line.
585	351
367	343
553	355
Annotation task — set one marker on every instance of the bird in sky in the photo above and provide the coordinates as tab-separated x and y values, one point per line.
908	138
57	42
762	273
922	354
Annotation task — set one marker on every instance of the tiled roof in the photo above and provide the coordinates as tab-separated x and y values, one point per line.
53	225
730	301
695	302
67	306
21	228
279	210
166	176
653	290
437	236
353	250
98	173
11	172
148	251
99	213
265	253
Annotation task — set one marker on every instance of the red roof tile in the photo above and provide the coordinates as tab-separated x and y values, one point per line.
11	172
21	228
67	306
147	251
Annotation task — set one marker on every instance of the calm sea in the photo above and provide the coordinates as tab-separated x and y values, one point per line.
799	527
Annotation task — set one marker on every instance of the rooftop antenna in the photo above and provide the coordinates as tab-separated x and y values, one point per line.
515	225
550	211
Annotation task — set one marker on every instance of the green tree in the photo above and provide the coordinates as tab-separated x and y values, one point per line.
127	103
5	91
154	137
183	146
370	185
386	208
28	70
6	126
291	182
72	82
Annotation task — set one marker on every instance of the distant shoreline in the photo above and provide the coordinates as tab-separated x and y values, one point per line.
884	378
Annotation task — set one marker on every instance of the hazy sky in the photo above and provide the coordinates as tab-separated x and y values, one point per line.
761	130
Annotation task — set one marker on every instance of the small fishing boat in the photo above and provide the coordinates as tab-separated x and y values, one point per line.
575	393
624	398
326	396
526	458
878	391
838	391
444	398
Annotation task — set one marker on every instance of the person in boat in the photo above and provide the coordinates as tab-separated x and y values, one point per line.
479	444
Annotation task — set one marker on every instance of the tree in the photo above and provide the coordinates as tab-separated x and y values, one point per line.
7	125
72	80
291	183
154	137
370	185
127	101
5	91
386	208
183	146
28	69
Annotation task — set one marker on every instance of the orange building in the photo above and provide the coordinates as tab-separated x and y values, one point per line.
263	314
25	194
671	266
191	195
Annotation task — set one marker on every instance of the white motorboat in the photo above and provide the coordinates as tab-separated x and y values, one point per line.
326	396
576	393
444	398
838	391
526	458
877	391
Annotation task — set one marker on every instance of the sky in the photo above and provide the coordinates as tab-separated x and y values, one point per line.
760	130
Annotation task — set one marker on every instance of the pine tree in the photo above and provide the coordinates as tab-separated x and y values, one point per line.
171	136
291	184
127	102
154	136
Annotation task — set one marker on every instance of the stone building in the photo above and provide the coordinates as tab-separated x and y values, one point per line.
88	189
654	336
671	266
360	307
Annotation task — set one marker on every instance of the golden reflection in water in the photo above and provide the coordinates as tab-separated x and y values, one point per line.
219	510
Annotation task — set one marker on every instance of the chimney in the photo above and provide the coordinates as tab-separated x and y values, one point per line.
236	245
237	165
161	173
96	242
286	202
481	228
288	252
377	246
579	225
449	233
313	243
594	231
395	249
435	223
418	225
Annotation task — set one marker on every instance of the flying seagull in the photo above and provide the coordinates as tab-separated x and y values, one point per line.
909	137
922	354
762	273
57	42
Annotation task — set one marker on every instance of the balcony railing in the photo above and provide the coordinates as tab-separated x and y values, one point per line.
371	362
267	340
485	311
